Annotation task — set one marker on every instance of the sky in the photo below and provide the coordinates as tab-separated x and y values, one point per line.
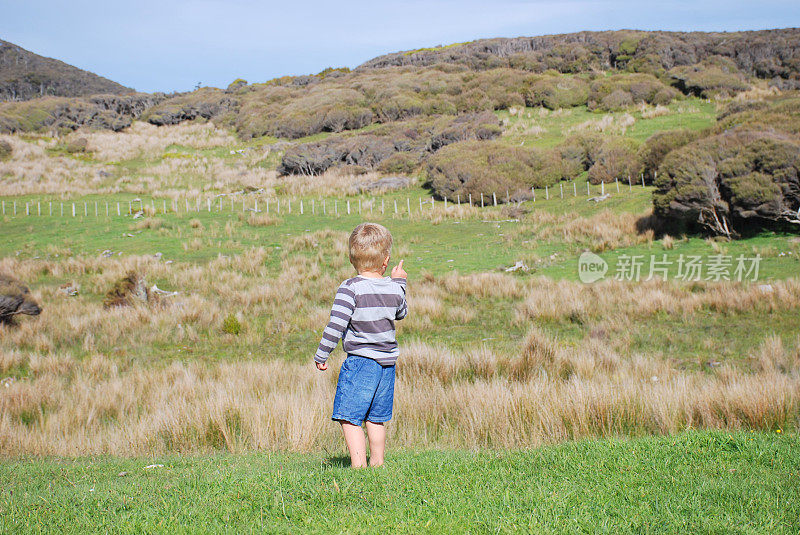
174	45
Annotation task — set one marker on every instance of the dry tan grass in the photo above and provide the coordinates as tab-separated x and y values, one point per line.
607	124
178	176
81	379
651	112
143	140
600	232
548	392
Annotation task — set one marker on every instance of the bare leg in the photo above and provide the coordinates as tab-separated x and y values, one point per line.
376	432
354	437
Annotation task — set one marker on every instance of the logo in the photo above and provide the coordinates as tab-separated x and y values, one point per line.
591	267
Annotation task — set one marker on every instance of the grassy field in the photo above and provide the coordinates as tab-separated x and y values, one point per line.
698	482
514	391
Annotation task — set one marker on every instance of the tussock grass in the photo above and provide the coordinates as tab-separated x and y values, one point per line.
549	392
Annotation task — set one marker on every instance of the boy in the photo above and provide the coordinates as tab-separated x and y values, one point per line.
363	315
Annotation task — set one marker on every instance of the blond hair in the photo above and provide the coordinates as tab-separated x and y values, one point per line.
369	245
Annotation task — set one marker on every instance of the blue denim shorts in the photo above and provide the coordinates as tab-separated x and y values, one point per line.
364	391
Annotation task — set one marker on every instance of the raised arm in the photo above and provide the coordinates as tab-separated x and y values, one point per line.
343	306
400	276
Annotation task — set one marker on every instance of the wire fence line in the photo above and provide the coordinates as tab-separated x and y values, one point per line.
319	206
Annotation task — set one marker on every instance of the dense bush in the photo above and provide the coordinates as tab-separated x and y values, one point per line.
780	114
617	92
5	150
386	145
581	151
657	146
404	163
487	167
707	81
556	92
617	158
730	183
766	54
203	103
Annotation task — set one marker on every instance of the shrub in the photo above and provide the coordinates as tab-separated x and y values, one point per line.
401	162
618	100
582	149
657	146
77	145
730	183
487	167
5	150
231	325
707	82
617	159
617	92
556	92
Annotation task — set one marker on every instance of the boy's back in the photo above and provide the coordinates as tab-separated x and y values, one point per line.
363	315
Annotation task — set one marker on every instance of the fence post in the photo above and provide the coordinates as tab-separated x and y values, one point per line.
508	197
458	197
267	206
118	210
359	206
445	203
431	204
382	209
27	210
561	187
209	205
289	202
494	198
164	205
470	199
336	206
50	207
616	181
15	207
301	206
348	206
574	189
587	188
39	207
533	192
278	206
395	206
420	205
630	186
602	187
546	192
4	207
73	209
408	204
324	210
642	179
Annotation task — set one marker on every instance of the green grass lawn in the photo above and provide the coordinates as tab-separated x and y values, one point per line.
696	482
691	113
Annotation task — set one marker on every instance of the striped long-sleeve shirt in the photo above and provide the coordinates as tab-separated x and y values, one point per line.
363	315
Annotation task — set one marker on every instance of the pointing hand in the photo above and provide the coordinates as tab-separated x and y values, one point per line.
398	272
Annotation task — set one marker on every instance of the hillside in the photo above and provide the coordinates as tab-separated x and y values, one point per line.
448	114
763	53
25	75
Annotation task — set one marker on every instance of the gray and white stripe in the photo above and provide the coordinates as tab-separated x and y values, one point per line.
362	316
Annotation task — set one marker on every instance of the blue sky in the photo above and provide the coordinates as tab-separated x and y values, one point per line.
173	45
